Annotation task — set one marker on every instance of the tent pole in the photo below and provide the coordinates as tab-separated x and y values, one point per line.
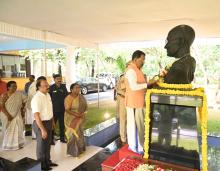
45	53
97	58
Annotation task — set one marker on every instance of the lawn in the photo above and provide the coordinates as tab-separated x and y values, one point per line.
97	115
213	122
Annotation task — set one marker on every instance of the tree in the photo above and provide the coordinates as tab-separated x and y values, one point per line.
58	55
86	57
121	63
53	55
208	63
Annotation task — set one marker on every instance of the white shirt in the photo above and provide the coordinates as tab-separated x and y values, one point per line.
132	80
31	93
32	89
42	103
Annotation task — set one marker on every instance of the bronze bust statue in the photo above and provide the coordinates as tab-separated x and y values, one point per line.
168	122
179	40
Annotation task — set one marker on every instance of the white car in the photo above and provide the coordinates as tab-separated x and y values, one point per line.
108	79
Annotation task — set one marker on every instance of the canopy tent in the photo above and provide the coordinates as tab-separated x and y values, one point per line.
91	23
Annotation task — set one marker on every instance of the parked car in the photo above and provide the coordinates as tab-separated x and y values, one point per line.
108	79
89	84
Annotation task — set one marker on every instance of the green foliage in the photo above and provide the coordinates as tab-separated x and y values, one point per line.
121	63
32	54
51	54
155	60
56	55
209	58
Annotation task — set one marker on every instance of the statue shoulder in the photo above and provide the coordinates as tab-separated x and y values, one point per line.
191	62
188	60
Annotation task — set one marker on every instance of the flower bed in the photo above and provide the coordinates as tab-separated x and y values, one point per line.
147	167
137	164
128	164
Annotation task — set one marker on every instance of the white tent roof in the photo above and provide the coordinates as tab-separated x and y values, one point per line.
107	21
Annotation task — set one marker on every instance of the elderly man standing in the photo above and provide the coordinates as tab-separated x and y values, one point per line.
41	105
136	86
29	117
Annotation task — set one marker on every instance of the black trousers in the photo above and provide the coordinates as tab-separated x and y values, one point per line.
59	116
43	145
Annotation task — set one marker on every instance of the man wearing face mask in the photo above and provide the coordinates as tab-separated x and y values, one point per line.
136	87
58	92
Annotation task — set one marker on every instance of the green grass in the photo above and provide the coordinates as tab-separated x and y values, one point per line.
95	115
213	122
214	127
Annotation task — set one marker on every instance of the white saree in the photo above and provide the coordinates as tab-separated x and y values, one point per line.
13	131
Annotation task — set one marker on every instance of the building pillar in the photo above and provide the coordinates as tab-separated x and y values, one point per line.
70	73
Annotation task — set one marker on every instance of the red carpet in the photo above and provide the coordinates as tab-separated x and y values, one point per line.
116	157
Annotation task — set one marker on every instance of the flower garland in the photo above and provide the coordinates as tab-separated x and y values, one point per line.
174	86
147	167
202	114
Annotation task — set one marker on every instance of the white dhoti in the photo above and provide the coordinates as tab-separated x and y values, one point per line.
29	116
135	129
29	119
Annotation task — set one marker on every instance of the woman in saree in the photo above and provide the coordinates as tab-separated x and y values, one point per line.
74	119
12	104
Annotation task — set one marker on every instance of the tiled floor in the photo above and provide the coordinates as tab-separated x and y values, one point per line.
94	163
58	155
91	160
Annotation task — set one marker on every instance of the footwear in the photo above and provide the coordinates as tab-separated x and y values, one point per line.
52	143
46	168
53	164
63	141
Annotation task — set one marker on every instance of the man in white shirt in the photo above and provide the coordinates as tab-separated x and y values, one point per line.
41	105
136	86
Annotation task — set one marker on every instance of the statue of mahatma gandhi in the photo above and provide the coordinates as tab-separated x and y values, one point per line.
172	120
179	40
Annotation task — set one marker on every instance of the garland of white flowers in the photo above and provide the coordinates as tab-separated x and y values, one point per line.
147	167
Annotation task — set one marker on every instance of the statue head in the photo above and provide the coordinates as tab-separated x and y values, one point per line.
179	40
